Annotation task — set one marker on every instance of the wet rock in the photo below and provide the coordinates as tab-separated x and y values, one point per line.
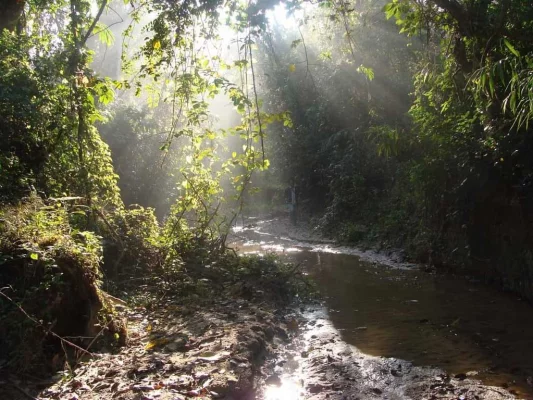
273	379
177	345
269	333
461	377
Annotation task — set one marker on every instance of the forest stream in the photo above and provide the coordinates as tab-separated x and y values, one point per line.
399	325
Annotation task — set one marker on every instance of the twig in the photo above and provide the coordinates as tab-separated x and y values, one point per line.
63	340
307	72
108	224
110	25
96	337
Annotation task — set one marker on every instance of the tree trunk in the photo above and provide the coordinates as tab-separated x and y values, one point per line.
10	13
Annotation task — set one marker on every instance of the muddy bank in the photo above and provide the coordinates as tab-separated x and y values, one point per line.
239	345
175	351
238	350
201	331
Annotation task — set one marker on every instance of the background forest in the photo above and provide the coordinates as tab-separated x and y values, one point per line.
134	133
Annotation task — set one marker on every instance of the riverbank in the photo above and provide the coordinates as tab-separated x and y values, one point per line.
240	340
379	312
207	336
177	351
304	235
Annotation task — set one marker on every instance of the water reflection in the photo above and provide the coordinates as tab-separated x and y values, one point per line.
440	321
288	390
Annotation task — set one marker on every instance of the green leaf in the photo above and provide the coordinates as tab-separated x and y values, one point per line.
325	55
511	47
34	256
367	71
105	35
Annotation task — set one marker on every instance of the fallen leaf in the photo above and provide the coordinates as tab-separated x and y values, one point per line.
157	342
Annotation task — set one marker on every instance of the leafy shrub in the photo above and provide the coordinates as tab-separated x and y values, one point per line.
131	241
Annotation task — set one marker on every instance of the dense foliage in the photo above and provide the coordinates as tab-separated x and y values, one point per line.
428	146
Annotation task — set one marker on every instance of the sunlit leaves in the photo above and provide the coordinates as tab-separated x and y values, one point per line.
408	15
386	140
325	55
239	99
393	9
104	91
105	35
241	63
366	71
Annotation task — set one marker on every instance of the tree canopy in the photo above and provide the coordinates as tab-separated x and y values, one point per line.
403	121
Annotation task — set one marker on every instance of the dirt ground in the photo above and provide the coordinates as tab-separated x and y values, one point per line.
174	352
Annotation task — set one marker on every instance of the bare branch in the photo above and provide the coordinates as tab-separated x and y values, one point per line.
93	24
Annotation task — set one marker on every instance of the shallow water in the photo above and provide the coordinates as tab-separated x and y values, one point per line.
430	320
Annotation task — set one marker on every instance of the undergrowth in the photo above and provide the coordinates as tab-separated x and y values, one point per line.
53	269
49	270
264	279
